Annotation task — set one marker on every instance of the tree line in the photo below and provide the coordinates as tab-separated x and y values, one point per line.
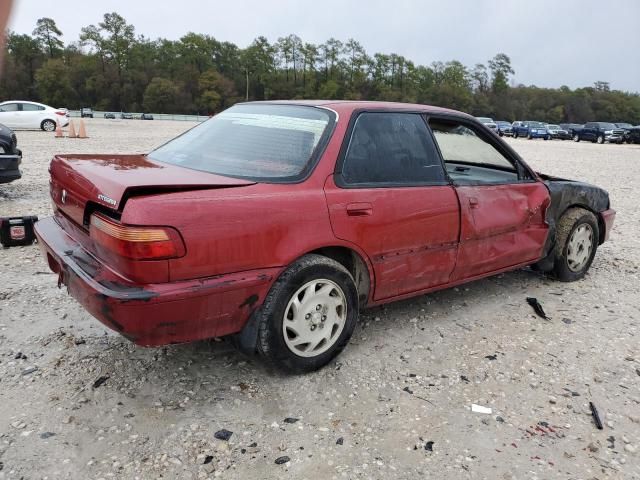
112	68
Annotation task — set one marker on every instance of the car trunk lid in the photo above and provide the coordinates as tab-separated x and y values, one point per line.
81	184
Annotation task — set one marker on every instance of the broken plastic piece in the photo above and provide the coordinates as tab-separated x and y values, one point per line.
596	416
537	307
480	409
100	380
223	434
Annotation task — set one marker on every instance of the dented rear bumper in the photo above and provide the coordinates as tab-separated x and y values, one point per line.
153	314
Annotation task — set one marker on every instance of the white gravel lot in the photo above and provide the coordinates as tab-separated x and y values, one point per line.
408	378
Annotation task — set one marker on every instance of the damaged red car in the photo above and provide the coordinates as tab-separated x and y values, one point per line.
277	222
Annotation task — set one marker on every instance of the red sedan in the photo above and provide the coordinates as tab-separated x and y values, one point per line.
276	222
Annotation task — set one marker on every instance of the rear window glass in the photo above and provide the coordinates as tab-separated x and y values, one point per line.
261	142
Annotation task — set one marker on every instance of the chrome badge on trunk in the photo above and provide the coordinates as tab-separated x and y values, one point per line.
106	199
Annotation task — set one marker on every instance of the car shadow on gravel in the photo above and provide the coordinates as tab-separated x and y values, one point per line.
208	370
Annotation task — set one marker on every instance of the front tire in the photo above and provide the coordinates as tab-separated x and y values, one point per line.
48	125
577	238
576	138
515	135
309	315
600	140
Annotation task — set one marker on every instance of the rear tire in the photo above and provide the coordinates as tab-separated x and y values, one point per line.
577	238
48	125
290	315
576	138
515	135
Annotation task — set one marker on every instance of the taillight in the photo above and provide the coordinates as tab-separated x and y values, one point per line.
60	113
136	243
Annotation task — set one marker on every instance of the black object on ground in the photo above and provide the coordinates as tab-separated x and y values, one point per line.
45	435
100	381
537	307
340	441
596	416
223	434
429	446
17	231
281	460
291	420
208	459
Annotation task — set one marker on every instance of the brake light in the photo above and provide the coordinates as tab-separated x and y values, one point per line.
60	113
136	243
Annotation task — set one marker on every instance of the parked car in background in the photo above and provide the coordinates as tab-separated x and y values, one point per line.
10	156
22	114
146	116
600	132
572	128
504	128
126	116
375	202
634	135
530	129
488	122
86	112
557	132
110	115
627	128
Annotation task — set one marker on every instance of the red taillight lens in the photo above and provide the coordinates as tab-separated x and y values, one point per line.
60	113
136	243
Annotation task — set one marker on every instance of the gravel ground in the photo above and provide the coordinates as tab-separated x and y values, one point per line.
81	402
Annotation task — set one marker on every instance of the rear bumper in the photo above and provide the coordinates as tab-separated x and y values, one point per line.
608	216
153	314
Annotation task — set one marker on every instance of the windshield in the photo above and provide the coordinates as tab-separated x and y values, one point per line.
607	126
262	142
535	124
485	120
553	127
624	125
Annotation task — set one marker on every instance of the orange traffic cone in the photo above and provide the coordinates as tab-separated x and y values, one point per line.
59	130
82	132
72	130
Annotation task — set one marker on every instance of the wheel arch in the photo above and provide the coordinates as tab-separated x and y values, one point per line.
356	263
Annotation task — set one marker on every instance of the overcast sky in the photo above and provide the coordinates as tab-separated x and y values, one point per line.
550	42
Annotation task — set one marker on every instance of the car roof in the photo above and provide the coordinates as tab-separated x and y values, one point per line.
24	101
352	105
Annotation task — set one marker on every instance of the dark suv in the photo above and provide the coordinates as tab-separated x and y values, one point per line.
600	132
10	156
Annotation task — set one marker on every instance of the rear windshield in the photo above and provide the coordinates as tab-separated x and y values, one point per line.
260	142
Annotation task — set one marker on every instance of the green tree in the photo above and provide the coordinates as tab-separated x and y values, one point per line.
160	96
48	35
54	83
501	69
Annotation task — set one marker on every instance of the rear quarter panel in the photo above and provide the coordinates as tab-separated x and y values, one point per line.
238	229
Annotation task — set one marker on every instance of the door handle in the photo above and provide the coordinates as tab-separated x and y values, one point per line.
359	209
473	202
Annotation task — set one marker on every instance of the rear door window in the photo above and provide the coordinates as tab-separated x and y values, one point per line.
30	107
388	148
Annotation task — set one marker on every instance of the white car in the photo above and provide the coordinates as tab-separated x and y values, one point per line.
21	114
488	122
